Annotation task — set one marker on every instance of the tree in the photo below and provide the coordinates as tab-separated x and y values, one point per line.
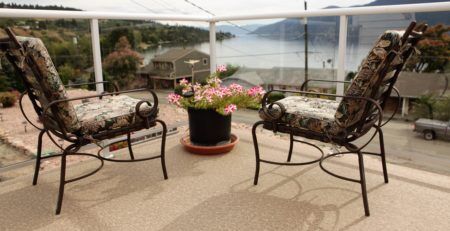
424	106
434	51
432	107
9	79
122	63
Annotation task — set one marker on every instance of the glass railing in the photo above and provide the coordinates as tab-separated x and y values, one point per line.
266	50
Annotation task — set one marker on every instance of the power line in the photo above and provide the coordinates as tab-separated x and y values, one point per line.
265	54
143	6
211	13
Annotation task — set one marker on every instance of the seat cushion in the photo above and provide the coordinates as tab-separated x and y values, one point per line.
314	114
108	113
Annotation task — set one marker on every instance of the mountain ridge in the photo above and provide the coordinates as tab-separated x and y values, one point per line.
325	28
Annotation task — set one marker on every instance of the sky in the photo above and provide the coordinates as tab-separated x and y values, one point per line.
217	7
184	7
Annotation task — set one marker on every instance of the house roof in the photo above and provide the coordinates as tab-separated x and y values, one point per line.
413	85
251	77
283	76
409	84
173	54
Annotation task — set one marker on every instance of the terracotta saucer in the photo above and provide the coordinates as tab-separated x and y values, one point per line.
209	150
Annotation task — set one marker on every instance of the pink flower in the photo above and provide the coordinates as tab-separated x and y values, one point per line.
221	68
230	109
174	98
197	86
184	82
198	97
214	81
256	91
236	88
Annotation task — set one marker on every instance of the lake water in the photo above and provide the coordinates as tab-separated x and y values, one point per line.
260	52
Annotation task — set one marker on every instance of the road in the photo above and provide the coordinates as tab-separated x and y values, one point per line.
403	146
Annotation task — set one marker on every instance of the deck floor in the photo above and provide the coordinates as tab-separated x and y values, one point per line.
217	193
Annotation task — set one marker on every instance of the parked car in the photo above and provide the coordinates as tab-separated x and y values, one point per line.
432	129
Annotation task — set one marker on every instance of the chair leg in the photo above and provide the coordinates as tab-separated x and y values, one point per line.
163	148
383	155
291	147
130	149
38	157
255	144
363	183
62	178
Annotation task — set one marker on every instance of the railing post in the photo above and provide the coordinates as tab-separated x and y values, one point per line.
212	46
97	56
341	54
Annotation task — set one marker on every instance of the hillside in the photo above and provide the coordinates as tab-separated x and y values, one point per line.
35	7
325	28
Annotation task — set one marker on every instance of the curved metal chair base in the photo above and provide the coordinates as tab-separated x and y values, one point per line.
357	152
361	180
99	156
334	174
72	149
288	163
79	154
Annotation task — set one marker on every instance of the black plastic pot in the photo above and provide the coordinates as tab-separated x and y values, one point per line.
207	127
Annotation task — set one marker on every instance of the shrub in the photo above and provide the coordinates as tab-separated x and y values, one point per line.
442	109
179	89
275	96
424	106
8	99
432	107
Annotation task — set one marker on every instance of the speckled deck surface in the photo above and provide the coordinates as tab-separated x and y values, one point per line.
217	193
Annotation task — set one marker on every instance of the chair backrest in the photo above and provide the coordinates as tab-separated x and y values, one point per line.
376	78
32	62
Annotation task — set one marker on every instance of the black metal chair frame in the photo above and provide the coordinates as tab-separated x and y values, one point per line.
47	114
372	117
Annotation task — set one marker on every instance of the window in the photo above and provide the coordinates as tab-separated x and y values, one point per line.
205	61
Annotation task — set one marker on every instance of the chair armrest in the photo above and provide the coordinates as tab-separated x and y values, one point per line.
266	108
153	111
302	88
23	111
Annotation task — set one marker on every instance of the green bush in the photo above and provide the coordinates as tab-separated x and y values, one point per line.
178	90
424	106
8	99
442	108
275	96
432	107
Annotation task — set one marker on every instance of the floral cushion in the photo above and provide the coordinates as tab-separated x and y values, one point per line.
314	114
365	83
110	113
51	87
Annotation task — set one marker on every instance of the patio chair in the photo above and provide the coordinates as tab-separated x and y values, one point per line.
80	124
342	123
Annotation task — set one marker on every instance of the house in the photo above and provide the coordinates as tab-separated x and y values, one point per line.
412	85
286	78
247	79
166	69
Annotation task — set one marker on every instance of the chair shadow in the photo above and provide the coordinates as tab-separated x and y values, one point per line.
250	211
306	196
33	207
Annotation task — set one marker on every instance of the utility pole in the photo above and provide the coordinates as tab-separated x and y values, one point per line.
306	46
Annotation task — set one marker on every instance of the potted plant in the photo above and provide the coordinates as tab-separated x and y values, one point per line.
210	107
